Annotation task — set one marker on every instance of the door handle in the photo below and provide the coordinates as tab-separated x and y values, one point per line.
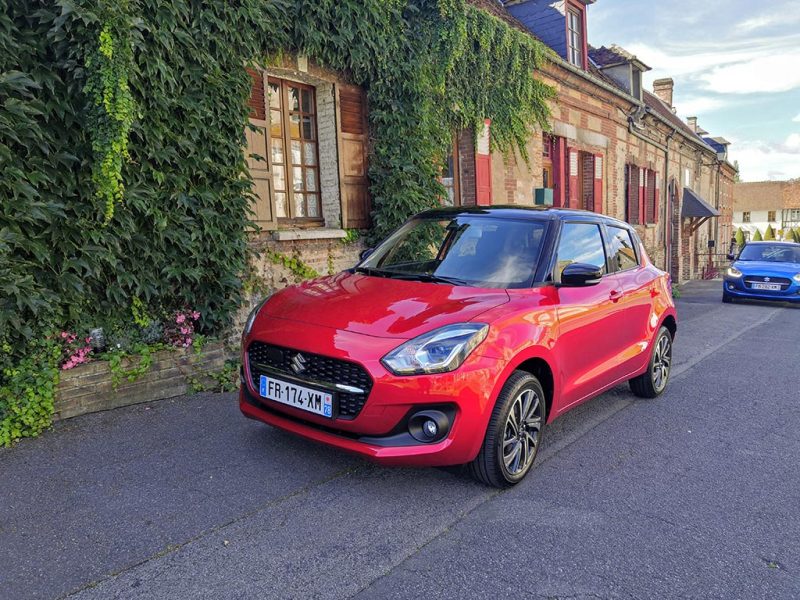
615	295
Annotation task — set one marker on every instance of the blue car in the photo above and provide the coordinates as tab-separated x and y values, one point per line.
764	271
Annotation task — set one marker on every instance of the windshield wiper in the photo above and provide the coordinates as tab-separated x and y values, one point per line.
372	272
427	277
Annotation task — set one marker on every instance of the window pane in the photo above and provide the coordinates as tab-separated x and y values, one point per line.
313	205
277	150
279	178
306	101
310	153
280	205
294	126
274	95
311	180
580	243
300	205
308	128
296	153
297	178
275	117
623	253
294	98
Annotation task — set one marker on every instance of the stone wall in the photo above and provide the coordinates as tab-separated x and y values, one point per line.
89	388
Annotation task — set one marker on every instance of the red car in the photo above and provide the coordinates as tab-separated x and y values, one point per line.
460	336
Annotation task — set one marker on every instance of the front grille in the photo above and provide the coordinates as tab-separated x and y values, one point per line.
318	368
751	279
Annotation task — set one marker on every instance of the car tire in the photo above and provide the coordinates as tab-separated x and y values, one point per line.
508	451
727	298
653	382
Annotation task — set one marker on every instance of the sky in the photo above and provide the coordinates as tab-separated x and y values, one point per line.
736	66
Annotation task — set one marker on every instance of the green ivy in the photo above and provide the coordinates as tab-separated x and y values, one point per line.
28	392
292	263
130	366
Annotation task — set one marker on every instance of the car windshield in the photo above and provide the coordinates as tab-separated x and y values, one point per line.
463	250
771	253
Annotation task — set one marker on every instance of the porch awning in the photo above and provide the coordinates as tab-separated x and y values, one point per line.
695	207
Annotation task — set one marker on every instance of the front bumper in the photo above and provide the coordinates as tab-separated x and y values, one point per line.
379	431
737	288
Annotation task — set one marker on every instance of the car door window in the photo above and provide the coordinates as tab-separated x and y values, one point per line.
580	243
623	249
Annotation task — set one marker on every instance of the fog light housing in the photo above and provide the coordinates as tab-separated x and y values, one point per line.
428	426
730	286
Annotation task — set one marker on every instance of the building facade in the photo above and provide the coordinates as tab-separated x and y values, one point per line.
763	204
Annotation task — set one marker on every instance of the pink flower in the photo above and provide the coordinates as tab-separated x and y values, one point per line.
195	315
64	334
184	330
180	318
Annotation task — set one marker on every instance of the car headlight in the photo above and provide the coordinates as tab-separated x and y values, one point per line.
734	272
251	318
438	351
797	278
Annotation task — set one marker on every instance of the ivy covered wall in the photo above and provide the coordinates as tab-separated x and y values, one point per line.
122	176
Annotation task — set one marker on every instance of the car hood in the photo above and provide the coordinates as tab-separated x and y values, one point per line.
759	267
381	307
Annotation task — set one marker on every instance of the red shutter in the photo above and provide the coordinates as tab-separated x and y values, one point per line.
572	159
650	197
642	181
483	167
598	183
559	172
633	194
657	198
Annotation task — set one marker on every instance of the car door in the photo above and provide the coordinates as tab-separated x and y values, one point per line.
638	286
590	319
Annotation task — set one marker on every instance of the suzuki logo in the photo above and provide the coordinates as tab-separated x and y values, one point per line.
298	363
766	278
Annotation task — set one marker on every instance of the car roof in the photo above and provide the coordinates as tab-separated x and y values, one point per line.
533	213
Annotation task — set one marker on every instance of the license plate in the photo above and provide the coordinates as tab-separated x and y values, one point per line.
772	287
314	401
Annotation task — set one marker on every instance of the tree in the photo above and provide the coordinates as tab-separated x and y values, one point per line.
769	235
757	236
736	177
740	237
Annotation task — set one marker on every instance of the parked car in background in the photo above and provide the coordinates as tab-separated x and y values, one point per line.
460	336
764	271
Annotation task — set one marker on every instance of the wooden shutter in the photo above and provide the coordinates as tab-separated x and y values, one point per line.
559	172
572	181
483	167
353	139
656	198
258	157
587	181
633	195
650	200
598	184
642	203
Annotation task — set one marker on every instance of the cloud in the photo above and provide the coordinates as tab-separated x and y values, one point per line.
796	119
762	21
760	161
765	74
698	105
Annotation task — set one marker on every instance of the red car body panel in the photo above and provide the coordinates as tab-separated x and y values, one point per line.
591	338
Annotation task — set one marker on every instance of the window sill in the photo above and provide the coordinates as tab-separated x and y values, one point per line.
317	233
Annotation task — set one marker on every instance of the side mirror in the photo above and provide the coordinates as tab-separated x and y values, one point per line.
581	275
731	256
365	253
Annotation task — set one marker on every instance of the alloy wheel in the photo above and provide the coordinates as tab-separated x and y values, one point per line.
662	362
522	432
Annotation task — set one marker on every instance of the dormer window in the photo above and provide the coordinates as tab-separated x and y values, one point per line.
576	38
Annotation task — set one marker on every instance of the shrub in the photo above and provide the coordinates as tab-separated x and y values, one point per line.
757	236
769	235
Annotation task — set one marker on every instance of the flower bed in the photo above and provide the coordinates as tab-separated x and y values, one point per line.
90	387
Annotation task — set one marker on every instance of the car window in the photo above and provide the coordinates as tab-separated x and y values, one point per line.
771	253
476	251
580	243
623	249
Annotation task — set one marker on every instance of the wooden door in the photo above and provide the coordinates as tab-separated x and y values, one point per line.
353	138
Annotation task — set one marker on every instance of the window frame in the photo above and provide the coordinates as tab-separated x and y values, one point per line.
286	138
573	9
634	243
772	216
746	216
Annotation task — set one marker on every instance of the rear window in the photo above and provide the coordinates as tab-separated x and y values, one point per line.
623	249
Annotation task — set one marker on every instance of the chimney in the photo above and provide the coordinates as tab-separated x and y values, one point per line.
692	122
663	89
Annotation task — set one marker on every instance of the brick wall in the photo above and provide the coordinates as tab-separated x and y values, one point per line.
88	388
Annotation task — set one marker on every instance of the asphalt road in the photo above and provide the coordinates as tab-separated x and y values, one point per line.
695	494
